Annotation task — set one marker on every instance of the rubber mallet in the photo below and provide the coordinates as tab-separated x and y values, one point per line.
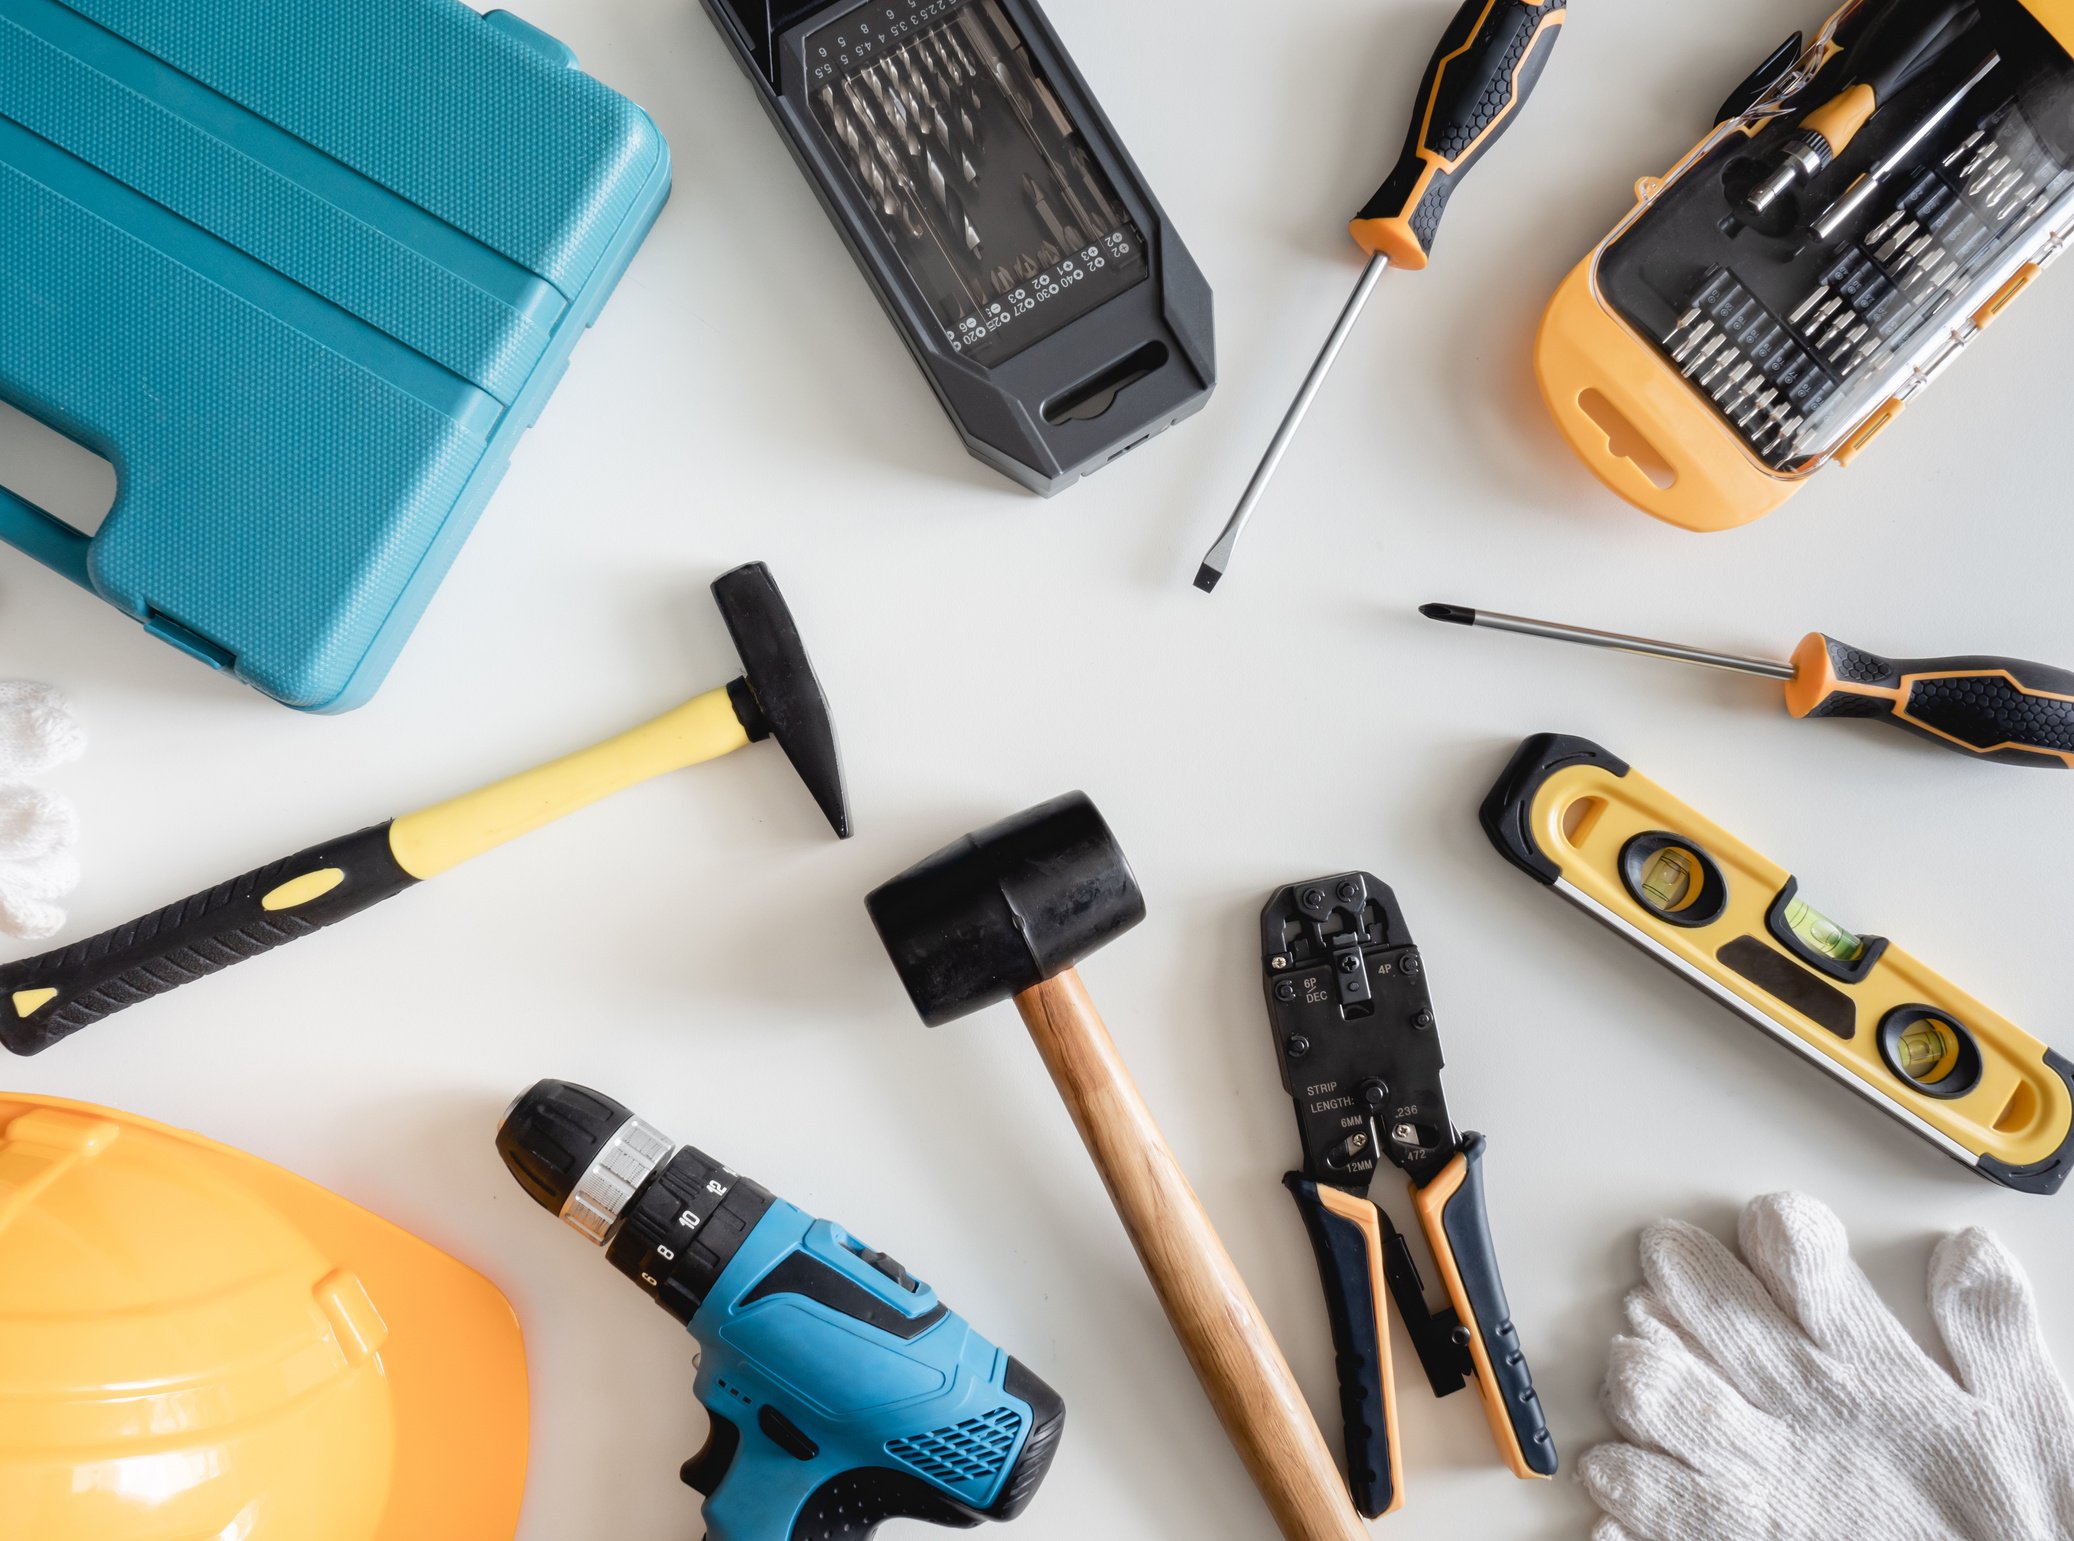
1008	912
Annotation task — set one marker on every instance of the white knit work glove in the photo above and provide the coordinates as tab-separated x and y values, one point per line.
1782	1401
38	732
37	867
38	829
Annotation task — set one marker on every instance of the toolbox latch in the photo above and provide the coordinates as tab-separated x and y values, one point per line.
1992	311
192	643
1870	429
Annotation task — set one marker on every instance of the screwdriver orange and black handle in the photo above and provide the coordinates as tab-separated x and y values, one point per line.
1486	66
2000	709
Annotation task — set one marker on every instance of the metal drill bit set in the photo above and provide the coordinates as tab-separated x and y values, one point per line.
977	174
1010	238
1769	377
1952	219
1868	200
1954	212
1763	374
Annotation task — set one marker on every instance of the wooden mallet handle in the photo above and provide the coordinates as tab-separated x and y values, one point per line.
1212	1312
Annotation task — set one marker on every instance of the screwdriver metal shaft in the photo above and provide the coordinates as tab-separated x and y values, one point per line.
1648	647
1219	557
1483	69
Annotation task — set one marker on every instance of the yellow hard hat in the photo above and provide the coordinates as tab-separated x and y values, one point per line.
197	1346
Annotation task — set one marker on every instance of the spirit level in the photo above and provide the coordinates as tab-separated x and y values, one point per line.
1690	894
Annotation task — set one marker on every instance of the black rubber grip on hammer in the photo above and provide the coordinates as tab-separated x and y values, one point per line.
47	999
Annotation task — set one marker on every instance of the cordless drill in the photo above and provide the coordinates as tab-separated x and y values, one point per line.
843	1393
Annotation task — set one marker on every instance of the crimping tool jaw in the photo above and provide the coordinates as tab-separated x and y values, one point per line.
1354	1029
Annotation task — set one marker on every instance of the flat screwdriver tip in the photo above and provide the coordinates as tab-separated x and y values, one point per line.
1206	578
1458	615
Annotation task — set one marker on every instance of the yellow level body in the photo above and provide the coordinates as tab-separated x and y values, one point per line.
1732	921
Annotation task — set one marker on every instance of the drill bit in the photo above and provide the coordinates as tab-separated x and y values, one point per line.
1044	212
898	124
1810	302
1685	349
1973	139
1700	359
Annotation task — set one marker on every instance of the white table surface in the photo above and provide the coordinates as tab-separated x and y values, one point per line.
697	947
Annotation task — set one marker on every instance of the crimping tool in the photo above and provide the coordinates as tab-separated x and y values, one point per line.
1353	1025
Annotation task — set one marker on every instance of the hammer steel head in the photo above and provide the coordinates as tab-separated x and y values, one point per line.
778	695
995	913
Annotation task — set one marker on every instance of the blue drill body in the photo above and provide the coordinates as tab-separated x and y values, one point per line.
842	1391
891	1404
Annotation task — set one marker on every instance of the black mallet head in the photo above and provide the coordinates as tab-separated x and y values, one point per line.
999	912
778	695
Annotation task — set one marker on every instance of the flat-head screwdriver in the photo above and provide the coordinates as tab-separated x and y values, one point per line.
1487	64
2000	709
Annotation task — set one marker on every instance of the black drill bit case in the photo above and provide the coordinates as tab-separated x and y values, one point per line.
954	144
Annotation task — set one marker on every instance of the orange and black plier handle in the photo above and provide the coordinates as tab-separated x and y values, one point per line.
1360	1254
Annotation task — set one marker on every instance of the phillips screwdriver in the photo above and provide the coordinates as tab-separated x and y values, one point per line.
1999	709
1487	64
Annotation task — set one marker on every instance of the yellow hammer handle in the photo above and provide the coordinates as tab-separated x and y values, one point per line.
430	842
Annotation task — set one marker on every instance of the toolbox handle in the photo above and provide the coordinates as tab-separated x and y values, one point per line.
45	537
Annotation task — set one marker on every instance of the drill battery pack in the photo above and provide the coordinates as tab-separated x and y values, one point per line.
303	274
1865	206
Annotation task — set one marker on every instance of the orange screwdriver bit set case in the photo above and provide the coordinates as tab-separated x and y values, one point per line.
1866	205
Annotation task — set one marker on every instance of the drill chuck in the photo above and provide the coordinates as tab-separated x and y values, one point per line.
669	1219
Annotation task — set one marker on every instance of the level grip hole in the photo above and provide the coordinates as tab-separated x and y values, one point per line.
2021	1112
1627	442
1580	819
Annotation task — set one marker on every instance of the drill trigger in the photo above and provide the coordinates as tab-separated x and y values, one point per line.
704	1472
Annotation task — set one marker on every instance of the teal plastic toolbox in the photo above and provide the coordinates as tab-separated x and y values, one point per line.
303	271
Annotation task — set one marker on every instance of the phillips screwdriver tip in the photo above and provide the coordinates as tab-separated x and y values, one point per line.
1459	615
